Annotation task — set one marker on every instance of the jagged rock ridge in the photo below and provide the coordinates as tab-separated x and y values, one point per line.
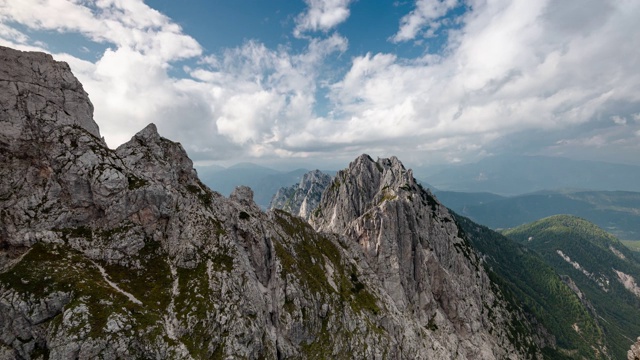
420	255
302	198
126	254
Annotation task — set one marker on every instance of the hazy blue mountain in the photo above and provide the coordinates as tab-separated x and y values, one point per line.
460	201
514	175
597	266
618	212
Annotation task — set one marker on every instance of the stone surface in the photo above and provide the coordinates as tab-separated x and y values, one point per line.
302	198
126	254
418	254
634	352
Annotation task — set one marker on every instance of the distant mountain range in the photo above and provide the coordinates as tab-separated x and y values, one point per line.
618	212
516	175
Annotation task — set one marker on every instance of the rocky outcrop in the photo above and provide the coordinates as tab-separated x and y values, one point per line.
420	256
126	254
634	352
302	198
38	95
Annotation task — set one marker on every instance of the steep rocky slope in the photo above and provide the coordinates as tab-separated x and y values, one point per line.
420	256
552	306
126	254
304	197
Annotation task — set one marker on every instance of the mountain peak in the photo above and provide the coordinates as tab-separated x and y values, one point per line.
149	132
302	198
364	184
40	94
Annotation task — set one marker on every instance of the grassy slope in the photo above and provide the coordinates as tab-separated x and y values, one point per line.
590	247
529	282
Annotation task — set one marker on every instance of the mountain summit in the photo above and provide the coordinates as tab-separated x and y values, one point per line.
418	253
126	254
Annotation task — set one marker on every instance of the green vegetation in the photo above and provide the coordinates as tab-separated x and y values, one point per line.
617	309
135	182
307	260
633	245
151	282
191	305
204	194
46	269
78	232
387	196
527	282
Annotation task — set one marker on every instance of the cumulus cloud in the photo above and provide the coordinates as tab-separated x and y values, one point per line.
425	15
260	96
619	120
513	66
322	15
126	24
563	75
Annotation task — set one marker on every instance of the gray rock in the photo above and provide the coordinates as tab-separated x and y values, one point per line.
302	198
416	251
634	352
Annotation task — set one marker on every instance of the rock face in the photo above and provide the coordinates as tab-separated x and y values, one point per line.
302	198
36	91
419	255
634	352
126	254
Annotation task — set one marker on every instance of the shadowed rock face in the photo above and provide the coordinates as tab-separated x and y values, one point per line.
126	254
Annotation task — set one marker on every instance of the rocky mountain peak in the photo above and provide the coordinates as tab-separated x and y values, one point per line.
358	188
415	247
149	134
163	159
38	95
302	198
243	195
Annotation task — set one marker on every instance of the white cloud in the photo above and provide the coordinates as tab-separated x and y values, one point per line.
322	15
619	120
513	67
426	14
126	24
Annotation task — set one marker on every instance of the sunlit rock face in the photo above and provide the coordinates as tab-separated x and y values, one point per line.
125	254
417	252
302	198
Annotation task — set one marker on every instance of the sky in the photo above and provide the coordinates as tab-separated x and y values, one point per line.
315	83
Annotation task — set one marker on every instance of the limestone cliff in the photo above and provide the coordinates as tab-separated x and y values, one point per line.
302	198
419	255
126	254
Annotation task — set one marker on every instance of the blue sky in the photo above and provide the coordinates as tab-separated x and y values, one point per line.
315	83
